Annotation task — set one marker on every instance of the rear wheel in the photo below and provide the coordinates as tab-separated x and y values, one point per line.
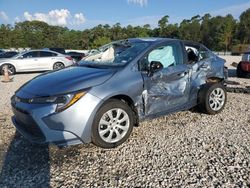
58	66
11	69
113	124
212	98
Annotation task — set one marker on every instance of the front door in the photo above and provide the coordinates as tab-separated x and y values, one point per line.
28	61
167	89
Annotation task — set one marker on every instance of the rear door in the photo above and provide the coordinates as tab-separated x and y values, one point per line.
46	60
203	64
168	89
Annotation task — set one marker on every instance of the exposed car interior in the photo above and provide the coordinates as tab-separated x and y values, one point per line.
192	57
163	54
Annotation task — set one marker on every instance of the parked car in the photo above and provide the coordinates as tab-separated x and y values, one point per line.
94	54
243	68
8	54
36	60
100	101
77	56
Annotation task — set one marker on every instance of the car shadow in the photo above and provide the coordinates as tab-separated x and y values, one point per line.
25	165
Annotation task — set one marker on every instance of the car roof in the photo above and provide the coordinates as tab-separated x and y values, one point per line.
156	40
151	39
42	50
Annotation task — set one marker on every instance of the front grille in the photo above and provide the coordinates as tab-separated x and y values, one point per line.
26	123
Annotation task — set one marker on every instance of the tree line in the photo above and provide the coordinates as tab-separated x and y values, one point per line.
218	33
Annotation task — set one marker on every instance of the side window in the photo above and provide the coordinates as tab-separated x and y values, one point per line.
197	52
167	55
31	54
204	53
47	54
192	54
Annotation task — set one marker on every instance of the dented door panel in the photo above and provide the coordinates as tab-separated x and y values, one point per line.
166	89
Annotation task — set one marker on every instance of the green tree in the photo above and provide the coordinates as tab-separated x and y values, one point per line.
244	27
162	23
100	41
190	29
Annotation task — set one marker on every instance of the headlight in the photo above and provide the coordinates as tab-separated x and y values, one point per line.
66	101
63	101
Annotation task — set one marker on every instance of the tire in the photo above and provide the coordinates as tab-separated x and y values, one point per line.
240	73
58	65
11	68
109	128
212	98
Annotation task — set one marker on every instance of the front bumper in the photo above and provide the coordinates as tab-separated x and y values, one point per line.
39	123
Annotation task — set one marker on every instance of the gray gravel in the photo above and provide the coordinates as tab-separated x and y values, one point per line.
183	149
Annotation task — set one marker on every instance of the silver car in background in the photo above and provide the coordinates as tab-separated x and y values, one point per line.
36	60
101	100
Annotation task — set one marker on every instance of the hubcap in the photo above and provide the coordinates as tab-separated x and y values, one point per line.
113	125
58	66
10	69
217	99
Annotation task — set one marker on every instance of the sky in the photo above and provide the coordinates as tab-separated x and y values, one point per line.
83	14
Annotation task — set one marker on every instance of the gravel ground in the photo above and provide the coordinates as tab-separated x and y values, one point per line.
183	149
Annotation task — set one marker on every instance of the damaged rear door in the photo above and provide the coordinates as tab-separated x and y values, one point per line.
168	89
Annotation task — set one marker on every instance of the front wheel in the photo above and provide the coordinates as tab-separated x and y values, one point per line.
113	124
11	69
212	98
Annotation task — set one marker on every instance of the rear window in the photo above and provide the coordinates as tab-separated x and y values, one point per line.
47	54
59	50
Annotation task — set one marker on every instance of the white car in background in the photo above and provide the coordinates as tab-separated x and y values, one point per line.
36	60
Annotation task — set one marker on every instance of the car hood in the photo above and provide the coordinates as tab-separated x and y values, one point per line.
63	81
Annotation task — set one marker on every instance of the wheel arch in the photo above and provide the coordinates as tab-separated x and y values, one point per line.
130	102
59	62
214	79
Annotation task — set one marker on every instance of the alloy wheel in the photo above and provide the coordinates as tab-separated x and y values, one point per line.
113	125
58	66
217	99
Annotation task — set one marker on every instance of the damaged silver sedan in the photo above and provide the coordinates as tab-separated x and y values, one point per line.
102	98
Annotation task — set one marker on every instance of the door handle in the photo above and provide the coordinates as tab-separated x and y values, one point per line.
35	59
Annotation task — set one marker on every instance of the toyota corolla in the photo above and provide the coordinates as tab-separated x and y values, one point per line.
101	99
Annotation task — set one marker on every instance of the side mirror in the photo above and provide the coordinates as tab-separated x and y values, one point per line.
20	57
154	67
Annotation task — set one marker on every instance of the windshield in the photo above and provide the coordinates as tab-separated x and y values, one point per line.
115	54
17	55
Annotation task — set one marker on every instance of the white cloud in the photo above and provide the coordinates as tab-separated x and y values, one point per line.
235	10
17	19
60	17
27	16
3	16
139	2
79	19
